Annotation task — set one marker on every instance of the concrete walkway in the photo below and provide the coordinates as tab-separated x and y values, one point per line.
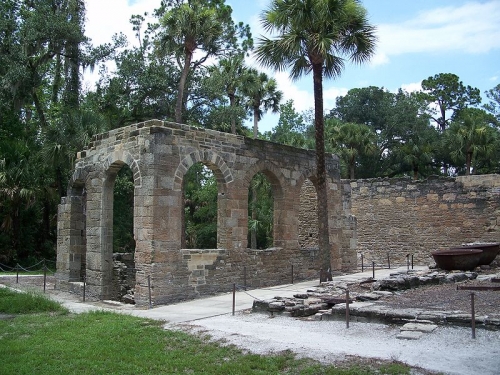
218	305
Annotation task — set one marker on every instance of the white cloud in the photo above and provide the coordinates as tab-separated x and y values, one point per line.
412	87
471	28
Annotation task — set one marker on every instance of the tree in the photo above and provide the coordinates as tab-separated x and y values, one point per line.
316	36
494	105
449	94
290	129
470	137
352	140
199	25
229	76
263	95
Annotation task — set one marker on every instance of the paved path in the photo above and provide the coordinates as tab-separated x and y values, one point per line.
218	305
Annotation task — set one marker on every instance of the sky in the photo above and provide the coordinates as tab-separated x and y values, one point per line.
416	39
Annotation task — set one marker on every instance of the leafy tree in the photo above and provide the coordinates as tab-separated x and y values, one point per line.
449	94
205	26
350	140
260	221
291	128
494	105
413	138
200	208
263	95
316	36
471	137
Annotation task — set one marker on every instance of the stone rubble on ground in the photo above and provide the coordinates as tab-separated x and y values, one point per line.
327	302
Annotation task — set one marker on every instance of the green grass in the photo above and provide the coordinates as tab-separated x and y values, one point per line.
109	343
12	302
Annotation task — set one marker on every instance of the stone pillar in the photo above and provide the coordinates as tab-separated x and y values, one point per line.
70	239
100	236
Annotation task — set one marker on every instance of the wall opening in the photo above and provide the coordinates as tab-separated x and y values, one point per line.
200	208
260	213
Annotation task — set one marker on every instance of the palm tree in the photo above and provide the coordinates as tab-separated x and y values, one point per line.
263	95
353	140
316	36
471	136
199	25
230	74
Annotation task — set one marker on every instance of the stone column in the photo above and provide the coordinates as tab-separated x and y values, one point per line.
70	239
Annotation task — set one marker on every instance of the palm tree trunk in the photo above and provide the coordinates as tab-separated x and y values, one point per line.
323	232
232	105
468	162
256	121
182	85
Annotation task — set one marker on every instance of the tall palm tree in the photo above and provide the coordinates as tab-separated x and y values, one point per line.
316	36
230	74
263	95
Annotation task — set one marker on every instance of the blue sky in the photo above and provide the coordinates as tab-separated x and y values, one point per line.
416	39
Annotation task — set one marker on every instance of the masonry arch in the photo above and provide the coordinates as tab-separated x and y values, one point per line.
277	182
223	176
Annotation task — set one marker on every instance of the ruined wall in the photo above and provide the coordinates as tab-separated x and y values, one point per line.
159	155
402	216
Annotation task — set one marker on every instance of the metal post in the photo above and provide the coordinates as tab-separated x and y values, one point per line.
17	273
347	308
362	265
44	277
234	297
245	277
149	290
292	273
389	260
373	269
473	315
84	285
411	261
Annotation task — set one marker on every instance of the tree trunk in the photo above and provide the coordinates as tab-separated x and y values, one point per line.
233	120
256	121
321	186
182	85
352	166
468	162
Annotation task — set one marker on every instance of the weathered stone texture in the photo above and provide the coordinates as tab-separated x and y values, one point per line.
401	216
159	154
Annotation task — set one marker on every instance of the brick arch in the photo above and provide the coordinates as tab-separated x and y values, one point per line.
309	174
211	159
272	172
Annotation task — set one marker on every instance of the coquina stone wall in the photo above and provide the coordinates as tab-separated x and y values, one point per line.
159	155
402	216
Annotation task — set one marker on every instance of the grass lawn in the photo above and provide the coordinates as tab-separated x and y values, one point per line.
49	340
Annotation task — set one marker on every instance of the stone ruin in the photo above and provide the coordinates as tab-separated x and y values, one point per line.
162	269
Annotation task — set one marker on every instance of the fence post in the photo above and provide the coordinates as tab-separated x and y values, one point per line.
17	273
388	260
373	269
362	265
149	290
411	261
234	297
347	308
44	276
473	315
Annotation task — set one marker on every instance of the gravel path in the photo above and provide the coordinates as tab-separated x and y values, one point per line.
449	350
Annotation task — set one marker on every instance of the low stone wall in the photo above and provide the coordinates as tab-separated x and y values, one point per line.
397	217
